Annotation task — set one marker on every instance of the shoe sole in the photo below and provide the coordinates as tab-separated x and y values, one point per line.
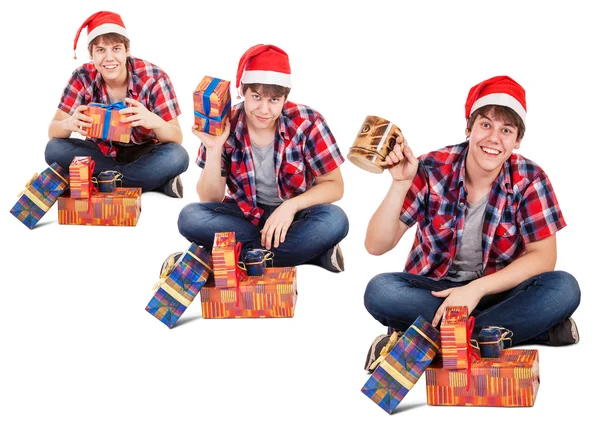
337	259
574	330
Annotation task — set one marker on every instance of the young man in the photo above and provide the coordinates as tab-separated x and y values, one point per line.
154	158
486	223
281	165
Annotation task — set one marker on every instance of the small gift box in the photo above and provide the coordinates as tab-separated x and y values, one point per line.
80	176
271	295
179	285
40	193
511	380
456	337
225	255
491	340
398	372
255	260
108	180
212	104
108	122
119	208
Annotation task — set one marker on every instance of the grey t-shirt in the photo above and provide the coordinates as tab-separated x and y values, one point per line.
264	174
468	262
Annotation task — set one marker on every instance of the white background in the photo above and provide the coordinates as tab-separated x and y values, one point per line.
76	344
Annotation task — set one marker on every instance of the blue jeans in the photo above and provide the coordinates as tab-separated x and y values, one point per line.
147	166
314	230
529	309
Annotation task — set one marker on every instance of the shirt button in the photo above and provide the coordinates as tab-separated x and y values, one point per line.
461	204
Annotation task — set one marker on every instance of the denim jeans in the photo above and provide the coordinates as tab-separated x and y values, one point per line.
148	166
529	309
314	230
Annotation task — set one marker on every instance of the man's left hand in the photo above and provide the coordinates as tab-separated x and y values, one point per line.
465	295
140	116
276	227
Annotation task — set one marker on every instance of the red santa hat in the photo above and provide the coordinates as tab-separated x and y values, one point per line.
500	91
264	64
101	23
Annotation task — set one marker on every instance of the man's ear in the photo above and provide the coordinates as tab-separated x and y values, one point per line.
467	132
518	144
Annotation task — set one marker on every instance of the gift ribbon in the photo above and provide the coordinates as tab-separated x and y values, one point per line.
28	183
237	251
214	119
470	352
206	105
161	283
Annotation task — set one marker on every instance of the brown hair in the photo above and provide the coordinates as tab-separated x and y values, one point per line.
267	90
503	113
110	38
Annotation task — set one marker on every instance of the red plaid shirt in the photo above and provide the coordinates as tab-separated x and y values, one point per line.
148	84
304	149
521	208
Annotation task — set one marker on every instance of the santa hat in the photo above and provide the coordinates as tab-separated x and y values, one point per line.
499	91
99	24
264	64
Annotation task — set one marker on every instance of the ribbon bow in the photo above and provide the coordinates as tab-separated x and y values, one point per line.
385	351
238	272
28	184
165	273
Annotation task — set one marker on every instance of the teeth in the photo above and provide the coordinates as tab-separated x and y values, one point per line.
110	66
490	150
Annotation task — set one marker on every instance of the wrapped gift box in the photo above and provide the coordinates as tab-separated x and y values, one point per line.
402	368
491	340
40	193
80	176
512	380
271	295
225	259
212	105
178	288
108	122
119	208
454	337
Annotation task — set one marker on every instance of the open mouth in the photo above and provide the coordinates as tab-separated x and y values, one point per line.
490	151
110	67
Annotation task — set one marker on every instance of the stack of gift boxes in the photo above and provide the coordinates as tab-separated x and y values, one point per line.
87	206
226	290
458	375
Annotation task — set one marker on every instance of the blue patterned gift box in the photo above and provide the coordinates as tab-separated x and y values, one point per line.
40	193
179	285
400	370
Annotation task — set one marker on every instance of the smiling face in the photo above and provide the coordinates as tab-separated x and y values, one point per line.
110	59
262	111
492	141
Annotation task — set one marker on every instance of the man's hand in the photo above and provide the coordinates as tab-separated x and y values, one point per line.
212	142
140	116
404	164
78	121
466	295
276	226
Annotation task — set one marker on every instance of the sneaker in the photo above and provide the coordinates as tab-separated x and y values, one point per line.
169	264
383	344
563	333
173	188
334	260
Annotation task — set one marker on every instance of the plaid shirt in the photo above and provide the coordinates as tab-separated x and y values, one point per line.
521	208
304	149
147	83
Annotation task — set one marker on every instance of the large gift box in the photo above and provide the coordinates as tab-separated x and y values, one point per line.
119	208
212	104
272	294
80	176
403	366
40	193
108	122
512	380
179	285
225	254
455	337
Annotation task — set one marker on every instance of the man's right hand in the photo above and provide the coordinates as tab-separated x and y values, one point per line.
78	121
212	142
404	164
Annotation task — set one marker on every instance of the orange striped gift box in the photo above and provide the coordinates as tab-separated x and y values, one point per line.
271	295
80	176
225	260
454	337
212	104
119	208
107	122
511	380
